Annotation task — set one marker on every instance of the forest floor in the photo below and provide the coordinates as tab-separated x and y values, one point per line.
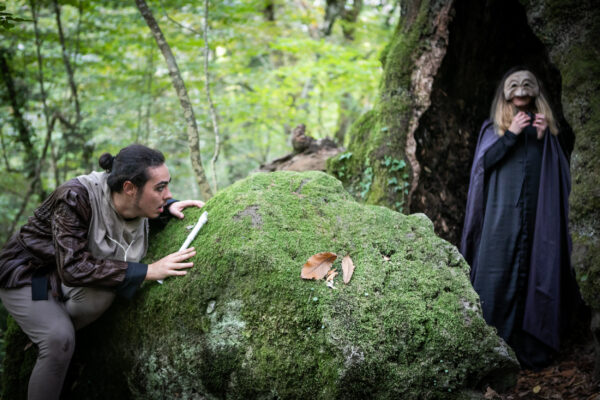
570	377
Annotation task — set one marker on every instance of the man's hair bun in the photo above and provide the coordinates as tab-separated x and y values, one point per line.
106	161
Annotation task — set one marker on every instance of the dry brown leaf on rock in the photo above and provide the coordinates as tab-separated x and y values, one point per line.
318	266
491	394
331	274
347	269
329	279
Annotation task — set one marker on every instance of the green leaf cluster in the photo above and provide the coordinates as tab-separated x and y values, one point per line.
7	19
266	77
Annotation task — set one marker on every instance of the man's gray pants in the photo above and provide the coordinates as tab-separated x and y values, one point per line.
51	325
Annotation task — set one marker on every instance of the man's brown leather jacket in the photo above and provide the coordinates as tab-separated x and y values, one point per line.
52	248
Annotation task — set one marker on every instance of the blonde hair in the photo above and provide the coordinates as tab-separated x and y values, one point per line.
503	111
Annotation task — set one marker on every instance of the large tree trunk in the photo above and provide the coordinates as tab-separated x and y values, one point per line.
440	72
184	100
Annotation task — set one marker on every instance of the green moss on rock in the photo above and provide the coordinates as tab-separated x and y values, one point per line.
243	324
18	362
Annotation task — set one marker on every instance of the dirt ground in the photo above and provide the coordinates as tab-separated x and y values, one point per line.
568	378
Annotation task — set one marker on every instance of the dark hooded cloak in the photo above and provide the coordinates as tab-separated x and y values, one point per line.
516	239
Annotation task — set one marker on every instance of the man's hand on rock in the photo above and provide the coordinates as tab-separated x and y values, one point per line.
176	208
171	265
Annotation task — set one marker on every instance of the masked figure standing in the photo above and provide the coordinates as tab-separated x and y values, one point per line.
82	247
515	235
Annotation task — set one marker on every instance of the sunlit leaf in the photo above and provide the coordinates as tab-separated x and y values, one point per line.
318	266
347	269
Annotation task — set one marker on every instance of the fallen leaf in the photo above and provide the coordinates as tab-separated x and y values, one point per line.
568	373
332	273
536	389
318	265
490	394
347	269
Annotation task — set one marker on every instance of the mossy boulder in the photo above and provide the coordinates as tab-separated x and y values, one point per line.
243	324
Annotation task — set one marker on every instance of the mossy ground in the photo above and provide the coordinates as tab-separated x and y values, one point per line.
243	324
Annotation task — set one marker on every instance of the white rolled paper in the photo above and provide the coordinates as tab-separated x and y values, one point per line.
190	238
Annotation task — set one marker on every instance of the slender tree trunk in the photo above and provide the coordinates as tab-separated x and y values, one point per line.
75	127
18	121
49	127
338	8
138	130
332	11
67	62
347	109
349	17
54	164
269	10
7	166
179	85
149	100
78	31
213	111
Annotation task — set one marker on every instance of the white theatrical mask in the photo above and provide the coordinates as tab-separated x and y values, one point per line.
521	84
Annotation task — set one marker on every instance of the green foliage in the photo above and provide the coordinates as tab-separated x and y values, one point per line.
398	179
266	77
341	171
7	19
366	181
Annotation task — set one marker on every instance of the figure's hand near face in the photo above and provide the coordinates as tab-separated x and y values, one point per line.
176	208
540	124
171	265
519	122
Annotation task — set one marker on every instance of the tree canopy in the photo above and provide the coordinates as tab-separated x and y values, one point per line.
81	77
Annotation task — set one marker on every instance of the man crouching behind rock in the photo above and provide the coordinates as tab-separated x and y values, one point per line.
82	247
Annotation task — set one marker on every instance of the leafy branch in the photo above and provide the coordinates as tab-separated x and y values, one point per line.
7	20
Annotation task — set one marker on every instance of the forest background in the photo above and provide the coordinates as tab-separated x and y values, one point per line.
78	78
83	77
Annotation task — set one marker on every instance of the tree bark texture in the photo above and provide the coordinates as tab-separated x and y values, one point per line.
182	94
